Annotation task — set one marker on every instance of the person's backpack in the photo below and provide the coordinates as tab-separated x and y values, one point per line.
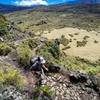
33	60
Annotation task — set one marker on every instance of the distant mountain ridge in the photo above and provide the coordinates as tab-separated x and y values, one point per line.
11	8
69	7
84	2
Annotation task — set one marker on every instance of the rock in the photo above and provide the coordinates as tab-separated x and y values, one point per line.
44	82
94	80
73	77
54	69
76	77
10	93
43	40
93	83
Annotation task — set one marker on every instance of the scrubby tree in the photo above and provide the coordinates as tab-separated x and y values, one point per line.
55	49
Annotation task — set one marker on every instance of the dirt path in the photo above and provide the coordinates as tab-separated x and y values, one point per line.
30	77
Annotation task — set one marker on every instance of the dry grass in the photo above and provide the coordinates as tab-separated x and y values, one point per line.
90	51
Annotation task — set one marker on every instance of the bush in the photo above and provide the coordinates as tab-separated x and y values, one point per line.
11	76
95	41
81	43
31	42
66	47
24	55
50	51
3	25
85	37
46	54
45	89
64	41
55	49
93	70
4	49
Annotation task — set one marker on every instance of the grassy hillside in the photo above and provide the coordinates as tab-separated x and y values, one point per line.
66	36
48	18
80	24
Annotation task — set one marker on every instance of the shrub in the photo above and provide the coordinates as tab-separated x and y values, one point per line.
95	41
45	89
81	43
70	35
85	37
4	49
50	51
93	70
24	55
67	47
3	25
31	42
55	49
76	34
11	76
64	41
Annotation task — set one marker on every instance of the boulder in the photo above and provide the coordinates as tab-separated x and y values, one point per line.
93	83
76	77
54	69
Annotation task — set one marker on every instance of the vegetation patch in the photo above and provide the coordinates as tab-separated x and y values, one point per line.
24	55
51	49
4	49
81	43
46	91
31	42
64	41
10	76
95	41
86	37
79	64
70	35
3	26
71	63
76	34
67	47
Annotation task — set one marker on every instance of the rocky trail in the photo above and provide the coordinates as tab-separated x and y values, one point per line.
64	89
65	86
72	86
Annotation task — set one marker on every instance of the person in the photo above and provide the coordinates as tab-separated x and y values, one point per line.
38	67
38	64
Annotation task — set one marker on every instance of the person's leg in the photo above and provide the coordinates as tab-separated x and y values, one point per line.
42	73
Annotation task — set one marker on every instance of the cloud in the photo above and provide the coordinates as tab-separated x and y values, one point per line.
31	2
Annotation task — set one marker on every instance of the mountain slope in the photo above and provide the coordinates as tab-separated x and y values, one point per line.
11	8
64	7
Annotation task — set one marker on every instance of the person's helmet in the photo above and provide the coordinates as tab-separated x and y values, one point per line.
42	60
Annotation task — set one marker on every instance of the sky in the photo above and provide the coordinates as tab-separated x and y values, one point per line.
32	2
36	2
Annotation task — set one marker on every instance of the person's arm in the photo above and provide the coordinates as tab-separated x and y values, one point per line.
45	67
